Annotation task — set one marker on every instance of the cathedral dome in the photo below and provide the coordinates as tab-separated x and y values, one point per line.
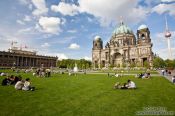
97	38
142	27
123	29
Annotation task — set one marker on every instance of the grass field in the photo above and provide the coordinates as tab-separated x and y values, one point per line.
85	95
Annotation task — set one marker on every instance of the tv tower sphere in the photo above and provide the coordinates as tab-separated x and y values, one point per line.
167	34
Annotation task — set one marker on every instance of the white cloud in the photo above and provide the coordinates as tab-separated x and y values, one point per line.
74	46
164	53
49	25
90	19
25	30
20	22
162	8
72	31
46	52
27	18
87	58
30	6
106	11
61	56
40	7
65	9
168	0
23	2
109	10
45	45
63	21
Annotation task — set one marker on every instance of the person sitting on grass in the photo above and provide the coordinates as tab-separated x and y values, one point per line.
116	75
3	74
27	85
12	80
146	76
173	79
19	84
17	78
141	75
6	81
131	85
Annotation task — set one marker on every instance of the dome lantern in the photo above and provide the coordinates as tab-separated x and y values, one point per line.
143	26
97	38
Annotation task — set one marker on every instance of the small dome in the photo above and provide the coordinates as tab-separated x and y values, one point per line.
97	38
123	29
142	27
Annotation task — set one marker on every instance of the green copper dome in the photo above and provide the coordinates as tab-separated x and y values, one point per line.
123	29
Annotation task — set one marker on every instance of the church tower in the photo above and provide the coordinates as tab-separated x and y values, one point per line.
143	35
96	52
97	43
144	46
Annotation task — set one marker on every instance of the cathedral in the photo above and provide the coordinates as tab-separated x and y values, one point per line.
124	48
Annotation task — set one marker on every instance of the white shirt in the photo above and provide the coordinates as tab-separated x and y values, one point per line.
26	84
19	85
132	85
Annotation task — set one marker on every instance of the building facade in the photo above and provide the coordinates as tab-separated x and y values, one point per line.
124	48
25	59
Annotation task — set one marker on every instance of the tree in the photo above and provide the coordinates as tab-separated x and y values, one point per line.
170	64
70	63
158	62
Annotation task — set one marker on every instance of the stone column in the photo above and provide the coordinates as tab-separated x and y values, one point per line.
29	61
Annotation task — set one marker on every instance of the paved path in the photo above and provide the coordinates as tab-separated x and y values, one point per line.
169	77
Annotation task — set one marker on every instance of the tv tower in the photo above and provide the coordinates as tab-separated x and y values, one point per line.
168	37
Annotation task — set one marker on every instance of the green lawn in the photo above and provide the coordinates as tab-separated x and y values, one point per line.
85	95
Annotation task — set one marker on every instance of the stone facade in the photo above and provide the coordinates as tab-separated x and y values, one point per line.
25	59
123	49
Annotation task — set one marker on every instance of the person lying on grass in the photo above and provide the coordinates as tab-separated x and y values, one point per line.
27	85
129	85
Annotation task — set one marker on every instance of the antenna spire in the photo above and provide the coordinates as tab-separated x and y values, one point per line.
166	24
121	20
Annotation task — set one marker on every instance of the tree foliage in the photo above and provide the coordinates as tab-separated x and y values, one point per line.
160	63
70	63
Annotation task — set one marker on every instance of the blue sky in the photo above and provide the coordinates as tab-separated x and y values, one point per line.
66	28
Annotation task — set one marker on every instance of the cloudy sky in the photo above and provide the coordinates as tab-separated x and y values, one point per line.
66	28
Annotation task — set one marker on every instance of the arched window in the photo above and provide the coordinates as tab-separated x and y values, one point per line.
143	36
95	44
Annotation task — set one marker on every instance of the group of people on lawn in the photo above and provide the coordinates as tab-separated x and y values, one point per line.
18	83
166	72
40	72
146	75
129	85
